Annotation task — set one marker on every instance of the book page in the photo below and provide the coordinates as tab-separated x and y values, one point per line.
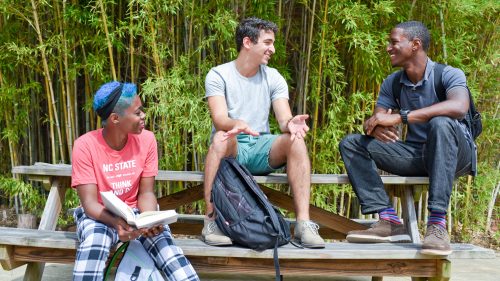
116	206
152	218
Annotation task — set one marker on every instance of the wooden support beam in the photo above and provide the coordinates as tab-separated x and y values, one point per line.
336	222
7	259
180	198
298	267
409	214
34	270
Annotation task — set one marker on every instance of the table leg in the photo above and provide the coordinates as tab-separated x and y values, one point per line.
409	214
51	212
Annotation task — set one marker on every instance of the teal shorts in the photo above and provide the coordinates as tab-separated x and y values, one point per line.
253	153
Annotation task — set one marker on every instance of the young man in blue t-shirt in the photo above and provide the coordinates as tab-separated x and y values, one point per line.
437	144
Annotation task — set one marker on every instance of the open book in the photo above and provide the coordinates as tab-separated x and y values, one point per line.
146	219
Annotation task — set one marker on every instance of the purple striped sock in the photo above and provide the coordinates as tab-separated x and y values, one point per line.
389	215
438	218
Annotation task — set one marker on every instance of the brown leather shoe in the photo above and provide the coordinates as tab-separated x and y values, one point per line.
380	232
436	241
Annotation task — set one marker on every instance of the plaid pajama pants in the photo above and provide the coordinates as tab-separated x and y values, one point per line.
96	240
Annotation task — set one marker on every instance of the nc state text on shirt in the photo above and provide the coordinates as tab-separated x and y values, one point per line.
118	166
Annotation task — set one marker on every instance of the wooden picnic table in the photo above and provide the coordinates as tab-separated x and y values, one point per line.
343	258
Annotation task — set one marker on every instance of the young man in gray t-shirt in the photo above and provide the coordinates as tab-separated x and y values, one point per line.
240	94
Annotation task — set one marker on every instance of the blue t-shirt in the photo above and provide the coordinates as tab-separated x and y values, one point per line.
420	95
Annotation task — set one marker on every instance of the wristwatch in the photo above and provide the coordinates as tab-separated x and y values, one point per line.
404	115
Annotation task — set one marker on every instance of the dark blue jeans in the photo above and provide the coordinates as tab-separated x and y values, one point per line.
445	156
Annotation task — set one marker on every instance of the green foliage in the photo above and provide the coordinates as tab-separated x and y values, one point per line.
32	199
332	54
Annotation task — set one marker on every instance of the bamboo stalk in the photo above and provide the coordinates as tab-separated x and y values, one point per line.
108	39
156	56
411	9
65	85
318	85
131	40
491	204
308	56
443	33
48	82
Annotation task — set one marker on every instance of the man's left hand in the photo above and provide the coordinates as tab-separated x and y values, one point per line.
297	126
385	119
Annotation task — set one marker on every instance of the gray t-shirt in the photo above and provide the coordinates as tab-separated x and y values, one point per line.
420	95
247	98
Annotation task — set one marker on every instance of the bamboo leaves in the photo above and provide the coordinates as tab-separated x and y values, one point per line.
55	54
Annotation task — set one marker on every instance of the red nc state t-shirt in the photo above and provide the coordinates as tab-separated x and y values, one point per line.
94	162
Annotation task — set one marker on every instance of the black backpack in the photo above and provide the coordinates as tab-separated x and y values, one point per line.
473	117
244	213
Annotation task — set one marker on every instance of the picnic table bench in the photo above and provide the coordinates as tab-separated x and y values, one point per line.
35	247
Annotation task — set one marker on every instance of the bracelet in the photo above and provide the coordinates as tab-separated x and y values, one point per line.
288	122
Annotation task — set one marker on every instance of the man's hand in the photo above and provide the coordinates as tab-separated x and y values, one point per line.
384	119
152	231
297	126
385	134
125	231
239	127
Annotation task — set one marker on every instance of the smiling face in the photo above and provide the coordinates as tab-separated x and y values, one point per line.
132	120
399	48
263	49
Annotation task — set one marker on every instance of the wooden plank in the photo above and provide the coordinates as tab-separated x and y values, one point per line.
38	238
194	229
7	259
338	223
182	197
409	214
301	267
64	170
34	271
292	267
62	240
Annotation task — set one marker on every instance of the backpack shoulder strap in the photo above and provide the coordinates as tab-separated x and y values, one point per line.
438	84
396	88
438	81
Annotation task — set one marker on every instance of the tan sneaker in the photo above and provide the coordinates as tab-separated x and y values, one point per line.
212	235
380	232
436	241
306	234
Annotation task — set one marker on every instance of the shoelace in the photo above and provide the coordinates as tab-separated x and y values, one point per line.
437	231
312	226
211	226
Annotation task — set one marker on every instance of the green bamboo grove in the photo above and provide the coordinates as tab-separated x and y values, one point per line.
54	54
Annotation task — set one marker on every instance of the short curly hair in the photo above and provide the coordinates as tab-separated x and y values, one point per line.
251	27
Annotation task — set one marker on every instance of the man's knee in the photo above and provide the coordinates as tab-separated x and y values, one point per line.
441	124
297	145
440	121
220	145
349	142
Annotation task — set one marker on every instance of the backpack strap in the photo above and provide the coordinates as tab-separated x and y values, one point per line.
438	81
122	249
396	88
438	84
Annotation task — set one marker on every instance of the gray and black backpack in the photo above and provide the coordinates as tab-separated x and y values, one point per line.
244	213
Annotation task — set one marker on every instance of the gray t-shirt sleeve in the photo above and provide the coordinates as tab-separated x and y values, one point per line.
452	78
385	96
214	84
279	87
